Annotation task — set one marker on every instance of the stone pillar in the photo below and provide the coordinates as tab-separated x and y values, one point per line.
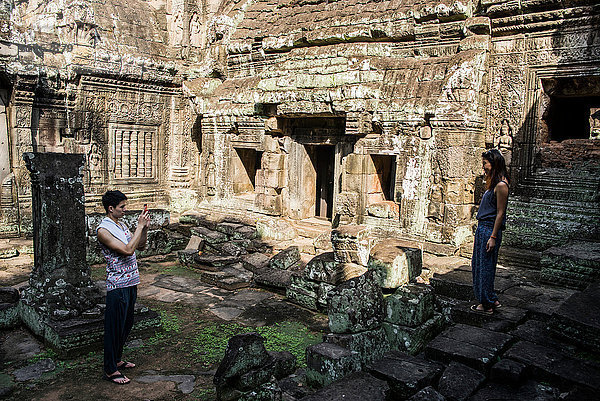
60	285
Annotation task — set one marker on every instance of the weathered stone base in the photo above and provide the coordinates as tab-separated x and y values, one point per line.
368	345
413	339
327	363
76	336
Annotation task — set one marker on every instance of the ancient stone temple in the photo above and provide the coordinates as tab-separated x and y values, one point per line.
372	113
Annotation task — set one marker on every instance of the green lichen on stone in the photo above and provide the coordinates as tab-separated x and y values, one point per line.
413	339
410	305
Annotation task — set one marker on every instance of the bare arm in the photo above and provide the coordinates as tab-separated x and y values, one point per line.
112	243
501	191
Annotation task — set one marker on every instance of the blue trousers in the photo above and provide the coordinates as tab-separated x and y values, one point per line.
483	264
118	321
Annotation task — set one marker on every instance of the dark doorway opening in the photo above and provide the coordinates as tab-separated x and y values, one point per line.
569	117
322	158
245	165
385	167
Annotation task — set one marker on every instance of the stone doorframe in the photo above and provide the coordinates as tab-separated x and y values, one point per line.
533	129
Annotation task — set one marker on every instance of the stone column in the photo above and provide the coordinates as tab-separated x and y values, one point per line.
60	285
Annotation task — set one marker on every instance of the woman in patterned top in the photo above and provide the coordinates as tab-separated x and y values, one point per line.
122	277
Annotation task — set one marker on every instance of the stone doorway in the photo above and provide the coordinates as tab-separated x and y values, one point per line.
385	176
245	164
322	158
573	105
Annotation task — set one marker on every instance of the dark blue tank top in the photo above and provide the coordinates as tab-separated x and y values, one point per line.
488	208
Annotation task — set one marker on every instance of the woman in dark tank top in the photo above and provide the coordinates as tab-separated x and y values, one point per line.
491	218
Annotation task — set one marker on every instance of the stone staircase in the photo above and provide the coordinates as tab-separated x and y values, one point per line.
555	208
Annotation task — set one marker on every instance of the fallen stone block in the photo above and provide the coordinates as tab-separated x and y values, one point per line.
255	261
209	236
273	278
324	268
286	259
413	339
244	353
473	346
358	386
410	305
508	371
395	264
303	291
323	292
228	228
405	374
427	394
245	232
356	305
35	370
459	381
195	244
326	363
368	345
352	244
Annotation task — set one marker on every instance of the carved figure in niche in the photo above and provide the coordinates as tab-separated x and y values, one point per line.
177	29
94	157
195	37
504	141
211	189
595	123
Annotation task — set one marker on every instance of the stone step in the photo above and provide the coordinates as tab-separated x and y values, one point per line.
473	346
312	228
504	319
577	320
550	365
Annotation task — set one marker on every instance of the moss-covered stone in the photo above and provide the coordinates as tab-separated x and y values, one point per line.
327	363
368	345
356	305
410	305
413	339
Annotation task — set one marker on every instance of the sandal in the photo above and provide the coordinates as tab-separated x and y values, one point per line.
497	305
114	378
126	365
475	308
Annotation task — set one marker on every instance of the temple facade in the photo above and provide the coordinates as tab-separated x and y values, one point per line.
358	112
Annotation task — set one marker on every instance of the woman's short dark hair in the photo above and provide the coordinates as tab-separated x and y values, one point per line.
112	198
498	167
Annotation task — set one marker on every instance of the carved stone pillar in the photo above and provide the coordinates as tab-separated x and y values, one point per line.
60	285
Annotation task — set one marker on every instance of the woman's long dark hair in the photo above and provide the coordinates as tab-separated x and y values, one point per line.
498	168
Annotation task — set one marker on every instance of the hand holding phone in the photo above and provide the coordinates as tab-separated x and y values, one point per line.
145	207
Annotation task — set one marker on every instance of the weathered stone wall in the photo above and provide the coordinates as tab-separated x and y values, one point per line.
242	102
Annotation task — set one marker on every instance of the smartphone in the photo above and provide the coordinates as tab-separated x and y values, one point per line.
145	207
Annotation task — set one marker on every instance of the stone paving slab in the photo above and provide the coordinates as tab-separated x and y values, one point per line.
404	373
185	383
503	319
529	391
549	364
459	381
358	386
473	346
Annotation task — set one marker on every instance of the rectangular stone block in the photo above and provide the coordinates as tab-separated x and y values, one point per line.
369	345
275	178
410	305
209	236
303	292
273	161
413	339
194	243
352	183
395	264
326	363
359	164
